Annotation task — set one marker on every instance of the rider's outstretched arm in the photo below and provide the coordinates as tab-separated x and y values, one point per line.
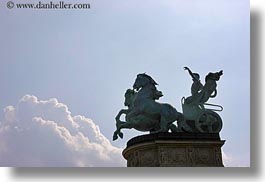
191	74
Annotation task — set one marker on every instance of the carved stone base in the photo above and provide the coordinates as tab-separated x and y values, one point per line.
174	150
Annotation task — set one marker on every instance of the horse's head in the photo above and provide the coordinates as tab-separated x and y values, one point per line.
129	97
214	76
143	80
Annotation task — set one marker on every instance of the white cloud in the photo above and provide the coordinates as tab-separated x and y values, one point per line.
44	133
234	161
227	159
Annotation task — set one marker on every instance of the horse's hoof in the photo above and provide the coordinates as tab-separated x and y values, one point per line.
115	137
120	135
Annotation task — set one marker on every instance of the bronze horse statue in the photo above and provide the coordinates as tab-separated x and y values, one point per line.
144	113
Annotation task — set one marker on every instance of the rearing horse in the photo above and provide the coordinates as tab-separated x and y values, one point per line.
144	113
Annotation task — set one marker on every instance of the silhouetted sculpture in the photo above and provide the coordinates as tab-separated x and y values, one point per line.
196	85
144	113
206	120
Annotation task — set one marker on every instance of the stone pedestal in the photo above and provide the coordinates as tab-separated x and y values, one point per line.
174	150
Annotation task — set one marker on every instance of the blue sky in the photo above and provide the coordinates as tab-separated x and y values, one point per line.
87	59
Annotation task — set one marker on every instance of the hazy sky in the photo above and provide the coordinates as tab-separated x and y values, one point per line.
86	59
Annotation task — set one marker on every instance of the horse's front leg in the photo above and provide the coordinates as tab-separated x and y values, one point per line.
123	111
118	132
130	123
117	118
119	123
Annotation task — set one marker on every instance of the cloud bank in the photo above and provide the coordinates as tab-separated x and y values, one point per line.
45	134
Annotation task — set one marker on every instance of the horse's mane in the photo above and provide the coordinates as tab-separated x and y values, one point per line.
152	81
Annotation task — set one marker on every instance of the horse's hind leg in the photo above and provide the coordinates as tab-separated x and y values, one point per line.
164	126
